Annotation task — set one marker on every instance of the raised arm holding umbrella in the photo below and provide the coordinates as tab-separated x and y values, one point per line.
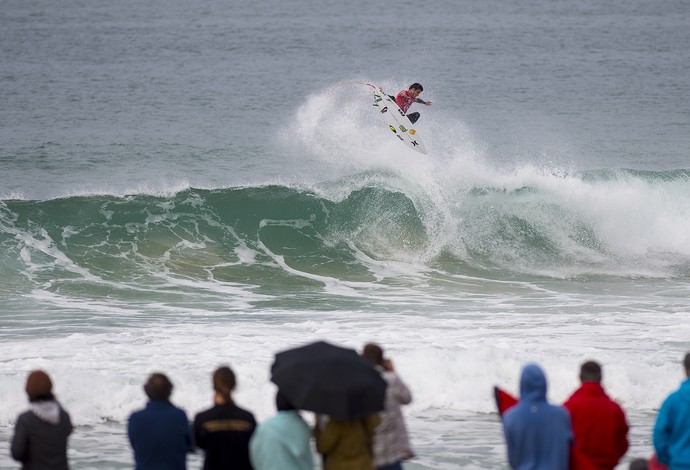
336	382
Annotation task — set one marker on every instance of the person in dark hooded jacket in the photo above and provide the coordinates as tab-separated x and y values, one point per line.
538	434
224	430
40	435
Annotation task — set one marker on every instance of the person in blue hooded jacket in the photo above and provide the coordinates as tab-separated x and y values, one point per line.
538	434
282	441
672	428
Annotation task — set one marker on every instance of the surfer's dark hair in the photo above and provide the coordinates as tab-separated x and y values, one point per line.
416	86
686	363
590	372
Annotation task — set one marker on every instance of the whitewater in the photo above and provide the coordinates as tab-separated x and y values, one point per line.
183	187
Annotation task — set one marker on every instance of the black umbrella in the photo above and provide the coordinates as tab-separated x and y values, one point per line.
328	379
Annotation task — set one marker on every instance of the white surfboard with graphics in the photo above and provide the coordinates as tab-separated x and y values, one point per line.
398	123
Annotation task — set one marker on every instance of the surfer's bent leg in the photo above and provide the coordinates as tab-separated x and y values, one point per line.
413	117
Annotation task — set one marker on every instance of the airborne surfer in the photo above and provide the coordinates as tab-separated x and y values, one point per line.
393	111
406	98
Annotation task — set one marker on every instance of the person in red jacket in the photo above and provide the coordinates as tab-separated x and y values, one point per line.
599	424
406	98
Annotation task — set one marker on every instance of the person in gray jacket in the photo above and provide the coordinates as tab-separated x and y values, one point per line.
391	442
40	435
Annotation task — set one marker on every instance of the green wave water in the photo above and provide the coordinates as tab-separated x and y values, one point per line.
277	236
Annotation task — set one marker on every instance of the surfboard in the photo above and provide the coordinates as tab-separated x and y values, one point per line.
504	400
398	123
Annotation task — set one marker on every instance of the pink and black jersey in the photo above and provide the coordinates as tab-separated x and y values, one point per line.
404	100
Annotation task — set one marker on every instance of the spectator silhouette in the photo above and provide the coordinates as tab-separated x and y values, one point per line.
391	442
282	441
346	445
599	424
224	430
41	433
159	434
672	427
538	434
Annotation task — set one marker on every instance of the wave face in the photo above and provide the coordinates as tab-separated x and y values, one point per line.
619	223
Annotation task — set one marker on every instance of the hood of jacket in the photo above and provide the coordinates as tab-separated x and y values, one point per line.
532	384
48	411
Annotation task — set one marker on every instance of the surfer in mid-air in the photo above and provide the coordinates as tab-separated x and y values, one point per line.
399	123
406	98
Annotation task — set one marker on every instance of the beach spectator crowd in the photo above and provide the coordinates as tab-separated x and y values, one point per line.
359	426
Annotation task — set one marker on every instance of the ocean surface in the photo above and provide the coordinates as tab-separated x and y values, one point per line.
190	184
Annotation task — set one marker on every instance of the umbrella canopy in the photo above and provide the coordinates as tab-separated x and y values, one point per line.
328	379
